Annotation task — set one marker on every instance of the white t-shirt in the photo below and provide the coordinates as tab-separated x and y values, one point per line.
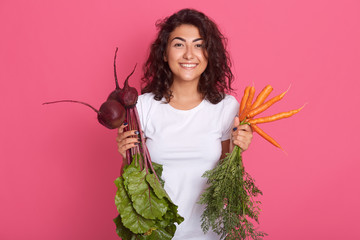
187	143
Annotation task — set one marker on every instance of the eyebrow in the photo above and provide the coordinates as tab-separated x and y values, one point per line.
182	39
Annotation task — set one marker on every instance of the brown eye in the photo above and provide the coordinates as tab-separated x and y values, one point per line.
177	44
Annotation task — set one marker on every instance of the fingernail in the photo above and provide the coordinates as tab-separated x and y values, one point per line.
136	132
125	123
137	143
235	128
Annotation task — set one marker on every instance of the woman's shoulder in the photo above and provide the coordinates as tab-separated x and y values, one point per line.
145	106
146	97
230	105
230	99
146	103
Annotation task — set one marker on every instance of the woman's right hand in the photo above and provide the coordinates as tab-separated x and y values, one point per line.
126	139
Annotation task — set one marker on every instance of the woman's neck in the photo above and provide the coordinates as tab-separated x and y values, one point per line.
185	95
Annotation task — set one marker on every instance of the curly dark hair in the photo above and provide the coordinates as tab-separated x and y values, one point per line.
217	77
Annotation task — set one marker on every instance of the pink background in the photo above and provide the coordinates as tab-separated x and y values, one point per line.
57	164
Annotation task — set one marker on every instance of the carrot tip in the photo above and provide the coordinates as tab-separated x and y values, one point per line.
283	94
284	151
303	106
289	87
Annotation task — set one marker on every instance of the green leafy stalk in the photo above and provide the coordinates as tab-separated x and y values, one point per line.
146	212
145	209
230	208
143	198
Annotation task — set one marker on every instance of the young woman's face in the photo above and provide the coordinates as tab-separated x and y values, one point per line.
185	53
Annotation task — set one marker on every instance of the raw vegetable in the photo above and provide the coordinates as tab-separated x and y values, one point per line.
145	209
248	104
274	117
263	107
244	99
111	113
231	208
114	94
128	95
258	130
229	200
262	96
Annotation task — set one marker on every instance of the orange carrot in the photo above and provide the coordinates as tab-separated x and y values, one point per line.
262	96
248	104
266	105
274	117
264	135
244	99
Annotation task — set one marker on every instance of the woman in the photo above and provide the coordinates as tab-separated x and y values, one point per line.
185	114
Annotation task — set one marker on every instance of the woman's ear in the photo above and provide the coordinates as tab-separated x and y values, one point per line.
165	58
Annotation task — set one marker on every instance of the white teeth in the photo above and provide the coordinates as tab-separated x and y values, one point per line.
188	65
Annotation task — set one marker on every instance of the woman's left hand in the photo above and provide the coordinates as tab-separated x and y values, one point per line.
241	135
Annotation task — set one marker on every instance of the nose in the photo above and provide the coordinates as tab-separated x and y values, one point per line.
188	54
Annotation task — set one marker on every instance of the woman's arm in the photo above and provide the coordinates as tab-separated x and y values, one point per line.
225	146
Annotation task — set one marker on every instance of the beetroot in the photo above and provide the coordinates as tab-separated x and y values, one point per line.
111	113
128	95
114	95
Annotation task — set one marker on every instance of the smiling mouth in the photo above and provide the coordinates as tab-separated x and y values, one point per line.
188	65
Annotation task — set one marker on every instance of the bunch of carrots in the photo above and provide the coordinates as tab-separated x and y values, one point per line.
249	109
229	200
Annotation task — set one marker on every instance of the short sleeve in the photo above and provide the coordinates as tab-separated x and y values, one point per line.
230	110
144	106
139	108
